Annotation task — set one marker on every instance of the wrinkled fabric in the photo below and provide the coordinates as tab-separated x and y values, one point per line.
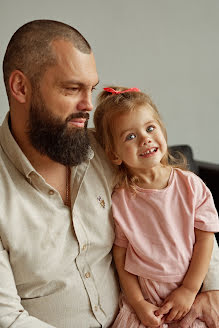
157	226
154	293
55	262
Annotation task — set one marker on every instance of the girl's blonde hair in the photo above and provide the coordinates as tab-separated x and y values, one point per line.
109	106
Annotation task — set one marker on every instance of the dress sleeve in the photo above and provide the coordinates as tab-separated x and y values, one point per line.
12	313
118	214
120	238
206	216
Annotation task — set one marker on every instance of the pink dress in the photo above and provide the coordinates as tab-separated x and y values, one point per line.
157	229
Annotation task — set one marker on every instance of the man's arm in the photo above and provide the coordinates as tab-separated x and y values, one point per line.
12	313
206	305
205	308
211	281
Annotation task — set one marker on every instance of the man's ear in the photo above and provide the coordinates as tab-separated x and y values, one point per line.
18	84
114	158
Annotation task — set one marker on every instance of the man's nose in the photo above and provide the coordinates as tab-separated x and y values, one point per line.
85	103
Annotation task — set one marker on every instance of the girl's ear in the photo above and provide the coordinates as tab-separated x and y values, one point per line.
114	158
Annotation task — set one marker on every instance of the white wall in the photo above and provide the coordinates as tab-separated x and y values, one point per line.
168	48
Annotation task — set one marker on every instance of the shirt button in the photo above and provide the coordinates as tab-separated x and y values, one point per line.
84	247
51	192
96	308
87	275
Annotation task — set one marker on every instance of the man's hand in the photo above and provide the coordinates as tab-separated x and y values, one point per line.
205	308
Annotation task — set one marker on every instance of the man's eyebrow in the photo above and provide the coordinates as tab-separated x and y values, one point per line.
96	84
75	82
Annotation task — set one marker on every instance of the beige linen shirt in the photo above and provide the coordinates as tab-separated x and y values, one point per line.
55	263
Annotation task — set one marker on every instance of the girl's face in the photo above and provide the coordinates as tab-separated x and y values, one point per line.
139	140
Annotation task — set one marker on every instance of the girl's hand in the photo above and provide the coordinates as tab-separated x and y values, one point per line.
177	304
145	311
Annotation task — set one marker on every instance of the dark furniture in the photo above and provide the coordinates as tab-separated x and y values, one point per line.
208	172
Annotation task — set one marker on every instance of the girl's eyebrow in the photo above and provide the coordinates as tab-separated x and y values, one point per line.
125	131
132	128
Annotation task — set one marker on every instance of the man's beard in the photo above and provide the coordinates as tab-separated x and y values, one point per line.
52	137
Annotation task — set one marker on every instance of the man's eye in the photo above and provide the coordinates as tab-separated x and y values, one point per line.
130	136
73	89
150	128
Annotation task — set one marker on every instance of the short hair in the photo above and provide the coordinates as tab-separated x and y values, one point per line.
30	51
109	107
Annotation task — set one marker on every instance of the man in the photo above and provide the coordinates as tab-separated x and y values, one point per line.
55	218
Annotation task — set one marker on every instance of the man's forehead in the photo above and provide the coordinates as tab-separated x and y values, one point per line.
72	65
65	50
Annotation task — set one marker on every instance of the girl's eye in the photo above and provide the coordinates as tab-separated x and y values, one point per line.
150	128
130	136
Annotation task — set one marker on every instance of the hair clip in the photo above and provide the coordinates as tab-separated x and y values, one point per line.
118	92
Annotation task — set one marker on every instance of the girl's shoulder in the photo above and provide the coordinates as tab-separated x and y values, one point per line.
120	194
185	173
189	178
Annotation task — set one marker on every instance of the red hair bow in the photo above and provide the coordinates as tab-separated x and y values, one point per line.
118	92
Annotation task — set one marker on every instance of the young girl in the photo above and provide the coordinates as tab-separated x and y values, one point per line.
164	215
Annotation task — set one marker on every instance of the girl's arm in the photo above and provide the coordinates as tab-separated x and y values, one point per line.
201	257
179	302
129	283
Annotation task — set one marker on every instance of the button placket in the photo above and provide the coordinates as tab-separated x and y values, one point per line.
96	308
84	267
90	286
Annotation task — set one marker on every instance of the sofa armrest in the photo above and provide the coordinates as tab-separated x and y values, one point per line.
209	173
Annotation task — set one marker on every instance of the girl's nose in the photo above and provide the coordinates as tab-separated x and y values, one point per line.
145	140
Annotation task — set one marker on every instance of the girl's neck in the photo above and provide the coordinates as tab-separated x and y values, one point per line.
155	178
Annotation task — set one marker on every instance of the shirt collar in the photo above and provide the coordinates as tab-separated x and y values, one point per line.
12	149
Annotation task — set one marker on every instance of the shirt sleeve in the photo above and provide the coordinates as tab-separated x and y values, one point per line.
211	281
12	313
206	216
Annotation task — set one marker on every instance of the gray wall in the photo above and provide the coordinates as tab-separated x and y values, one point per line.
168	48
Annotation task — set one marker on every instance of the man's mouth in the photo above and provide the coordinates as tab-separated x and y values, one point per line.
150	151
78	122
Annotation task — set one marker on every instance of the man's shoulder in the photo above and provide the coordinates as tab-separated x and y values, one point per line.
100	159
99	152
3	160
